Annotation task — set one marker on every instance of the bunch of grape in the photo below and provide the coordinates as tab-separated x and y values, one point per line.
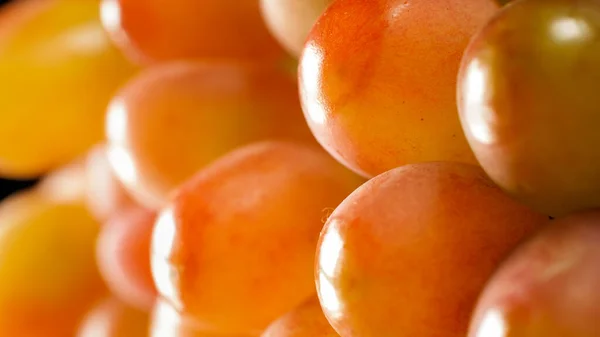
300	168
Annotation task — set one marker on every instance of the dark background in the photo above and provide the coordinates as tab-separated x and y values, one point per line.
8	187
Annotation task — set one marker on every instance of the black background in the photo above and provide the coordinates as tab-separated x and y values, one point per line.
8	187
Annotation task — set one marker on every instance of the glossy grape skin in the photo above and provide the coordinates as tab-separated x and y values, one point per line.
235	248
305	321
166	321
290	21
123	255
408	252
158	31
174	119
48	278
529	104
58	72
105	194
112	318
378	80
549	287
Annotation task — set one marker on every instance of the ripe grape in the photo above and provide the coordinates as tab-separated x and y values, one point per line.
112	318
153	31
123	255
174	119
529	102
166	321
105	194
58	72
235	248
549	287
408	253
305	321
48	278
378	80
290	21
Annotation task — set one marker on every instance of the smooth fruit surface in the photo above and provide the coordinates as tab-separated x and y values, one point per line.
112	318
235	248
105	194
378	80
58	71
174	119
549	287
48	277
408	253
162	30
307	320
123	255
290	21
166	321
529	104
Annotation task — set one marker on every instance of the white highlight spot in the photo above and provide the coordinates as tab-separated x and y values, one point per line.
311	85
122	164
163	239
329	298
492	325
478	116
116	122
110	14
330	250
567	29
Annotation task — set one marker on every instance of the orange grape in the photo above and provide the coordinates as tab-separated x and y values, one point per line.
290	21
58	72
48	278
105	194
235	248
123	255
408	253
174	119
549	287
378	80
530	106
152	31
166	321
305	321
112	318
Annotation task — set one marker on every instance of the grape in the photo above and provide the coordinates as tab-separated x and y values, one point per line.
48	277
153	31
235	248
408	252
529	104
65	184
58	73
290	21
105	194
123	255
378	80
112	318
174	119
166	321
305	321
549	287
